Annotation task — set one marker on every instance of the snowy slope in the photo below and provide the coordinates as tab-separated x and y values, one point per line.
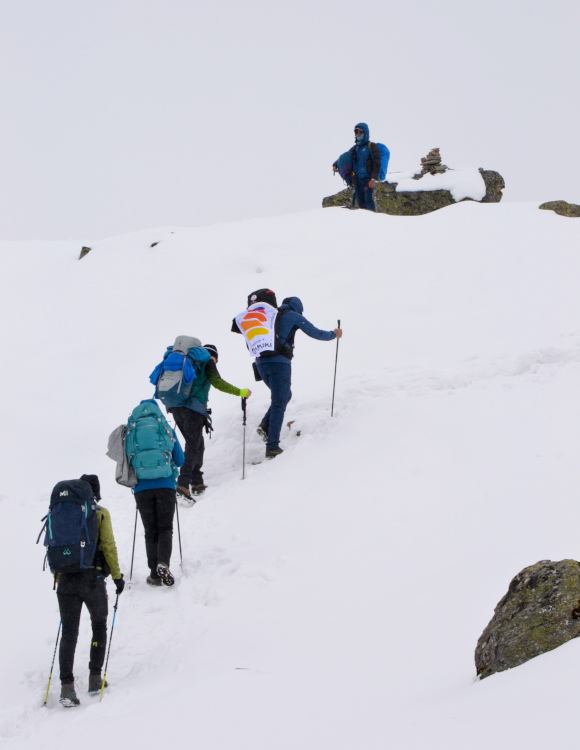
334	598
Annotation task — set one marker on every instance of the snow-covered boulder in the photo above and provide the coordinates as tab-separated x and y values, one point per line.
540	612
407	194
562	208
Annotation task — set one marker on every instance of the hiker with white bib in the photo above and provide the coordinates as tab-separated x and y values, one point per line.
182	382
269	334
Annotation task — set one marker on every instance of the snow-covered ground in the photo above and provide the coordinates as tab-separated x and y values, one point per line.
334	598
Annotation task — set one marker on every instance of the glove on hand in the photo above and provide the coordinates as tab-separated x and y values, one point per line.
119	584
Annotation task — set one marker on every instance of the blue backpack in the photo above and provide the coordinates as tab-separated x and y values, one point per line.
385	156
149	442
71	527
173	377
345	163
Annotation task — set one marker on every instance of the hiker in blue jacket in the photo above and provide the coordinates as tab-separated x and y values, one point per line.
156	501
276	369
366	158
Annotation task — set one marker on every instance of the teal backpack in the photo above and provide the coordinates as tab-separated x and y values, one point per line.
149	442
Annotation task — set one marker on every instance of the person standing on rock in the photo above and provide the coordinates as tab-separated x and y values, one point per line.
269	333
366	166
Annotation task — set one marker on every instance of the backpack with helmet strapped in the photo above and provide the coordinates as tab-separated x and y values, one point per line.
71	527
149	442
174	377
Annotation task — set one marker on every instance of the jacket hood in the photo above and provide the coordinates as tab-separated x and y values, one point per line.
365	128
148	401
292	303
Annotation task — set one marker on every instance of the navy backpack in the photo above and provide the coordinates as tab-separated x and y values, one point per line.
71	527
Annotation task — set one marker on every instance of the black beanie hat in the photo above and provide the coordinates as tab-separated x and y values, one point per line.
93	480
212	350
262	295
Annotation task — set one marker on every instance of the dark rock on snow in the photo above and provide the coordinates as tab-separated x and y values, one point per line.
84	251
540	612
388	201
562	208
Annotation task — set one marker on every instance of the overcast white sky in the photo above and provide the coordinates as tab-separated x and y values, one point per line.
119	115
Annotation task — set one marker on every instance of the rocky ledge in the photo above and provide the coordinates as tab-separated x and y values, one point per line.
562	208
540	611
416	203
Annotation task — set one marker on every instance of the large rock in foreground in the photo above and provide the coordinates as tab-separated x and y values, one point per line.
540	612
562	208
389	201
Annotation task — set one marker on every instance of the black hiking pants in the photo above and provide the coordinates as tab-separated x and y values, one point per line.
156	508
191	425
74	589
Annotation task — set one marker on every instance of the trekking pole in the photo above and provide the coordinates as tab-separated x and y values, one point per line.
334	383
109	649
244	443
52	665
178	531
133	553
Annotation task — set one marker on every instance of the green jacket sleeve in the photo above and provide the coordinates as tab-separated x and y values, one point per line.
106	542
215	379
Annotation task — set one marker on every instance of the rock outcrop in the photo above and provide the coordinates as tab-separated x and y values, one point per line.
562	208
540	612
389	201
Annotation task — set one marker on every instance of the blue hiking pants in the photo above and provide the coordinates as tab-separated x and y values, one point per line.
364	195
277	376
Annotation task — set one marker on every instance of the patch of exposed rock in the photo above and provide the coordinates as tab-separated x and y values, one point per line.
389	201
562	208
540	611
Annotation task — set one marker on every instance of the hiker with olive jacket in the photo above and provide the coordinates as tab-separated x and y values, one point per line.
88	587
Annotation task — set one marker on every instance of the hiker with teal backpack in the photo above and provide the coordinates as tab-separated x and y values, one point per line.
363	165
81	553
182	382
154	453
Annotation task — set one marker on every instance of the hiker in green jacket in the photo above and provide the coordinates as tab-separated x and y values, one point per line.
191	420
88	587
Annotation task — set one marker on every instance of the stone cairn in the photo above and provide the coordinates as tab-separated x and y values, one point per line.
432	164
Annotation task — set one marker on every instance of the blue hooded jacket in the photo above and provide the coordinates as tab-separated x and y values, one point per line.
290	321
178	458
363	152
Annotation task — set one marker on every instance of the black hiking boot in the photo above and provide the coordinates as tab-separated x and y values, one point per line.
68	697
165	574
154	581
274	452
262	431
197	489
96	683
184	492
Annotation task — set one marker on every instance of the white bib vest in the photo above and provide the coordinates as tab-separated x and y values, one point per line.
257	325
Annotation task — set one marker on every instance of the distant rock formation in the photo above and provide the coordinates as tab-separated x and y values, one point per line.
84	251
562	208
540	611
389	201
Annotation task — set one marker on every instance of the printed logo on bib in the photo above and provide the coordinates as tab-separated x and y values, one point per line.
253	323
257	325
